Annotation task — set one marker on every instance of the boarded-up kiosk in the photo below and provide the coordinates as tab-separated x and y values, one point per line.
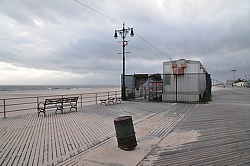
125	133
185	81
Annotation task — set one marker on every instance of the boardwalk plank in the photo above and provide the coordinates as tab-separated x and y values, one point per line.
35	151
27	143
15	153
32	143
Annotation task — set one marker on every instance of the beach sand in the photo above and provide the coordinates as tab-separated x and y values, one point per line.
110	154
12	94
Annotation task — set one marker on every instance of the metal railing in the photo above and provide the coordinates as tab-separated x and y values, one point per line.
15	105
144	94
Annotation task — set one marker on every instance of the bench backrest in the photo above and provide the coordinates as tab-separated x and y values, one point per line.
61	100
70	99
53	101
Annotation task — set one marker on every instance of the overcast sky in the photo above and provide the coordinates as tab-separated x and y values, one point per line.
64	42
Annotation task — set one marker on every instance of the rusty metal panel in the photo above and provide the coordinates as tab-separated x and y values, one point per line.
178	70
188	88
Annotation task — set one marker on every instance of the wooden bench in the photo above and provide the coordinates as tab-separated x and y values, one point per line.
58	103
110	100
107	101
118	99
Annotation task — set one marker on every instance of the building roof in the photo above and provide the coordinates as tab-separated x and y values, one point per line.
184	61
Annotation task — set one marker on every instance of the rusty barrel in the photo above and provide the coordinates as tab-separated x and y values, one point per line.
125	133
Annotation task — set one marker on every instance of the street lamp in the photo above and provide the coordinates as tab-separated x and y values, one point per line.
233	74
123	32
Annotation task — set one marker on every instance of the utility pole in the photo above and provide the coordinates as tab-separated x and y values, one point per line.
123	32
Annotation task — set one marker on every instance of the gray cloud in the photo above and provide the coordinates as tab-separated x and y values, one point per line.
65	36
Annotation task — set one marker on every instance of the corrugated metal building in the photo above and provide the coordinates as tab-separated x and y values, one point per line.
184	81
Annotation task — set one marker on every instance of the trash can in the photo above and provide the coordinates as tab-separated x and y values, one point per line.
125	133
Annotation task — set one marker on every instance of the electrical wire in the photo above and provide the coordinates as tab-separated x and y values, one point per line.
96	11
153	46
119	23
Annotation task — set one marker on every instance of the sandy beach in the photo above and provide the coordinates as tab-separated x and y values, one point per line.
11	94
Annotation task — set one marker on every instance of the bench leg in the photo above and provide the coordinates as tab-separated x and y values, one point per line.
103	102
118	99
111	101
73	106
59	108
42	112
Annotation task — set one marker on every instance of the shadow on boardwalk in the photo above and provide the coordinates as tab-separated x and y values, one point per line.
176	134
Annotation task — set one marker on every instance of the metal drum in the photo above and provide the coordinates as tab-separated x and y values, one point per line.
125	133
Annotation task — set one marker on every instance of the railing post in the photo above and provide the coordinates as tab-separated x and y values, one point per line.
134	93
81	100
176	88
4	109
108	95
147	93
95	98
37	102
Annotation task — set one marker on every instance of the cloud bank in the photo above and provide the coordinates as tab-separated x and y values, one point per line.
64	42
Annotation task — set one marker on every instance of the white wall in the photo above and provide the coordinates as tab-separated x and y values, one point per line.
190	85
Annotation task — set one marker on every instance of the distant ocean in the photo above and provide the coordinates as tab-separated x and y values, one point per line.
52	87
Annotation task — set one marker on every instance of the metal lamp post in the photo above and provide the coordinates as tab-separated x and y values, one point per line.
123	32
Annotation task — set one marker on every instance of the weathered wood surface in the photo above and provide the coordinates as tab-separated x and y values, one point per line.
224	133
32	140
223	128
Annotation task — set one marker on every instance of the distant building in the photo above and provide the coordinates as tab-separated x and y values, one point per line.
241	84
185	81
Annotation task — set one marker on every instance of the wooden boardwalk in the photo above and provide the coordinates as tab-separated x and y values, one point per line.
51	140
224	133
220	133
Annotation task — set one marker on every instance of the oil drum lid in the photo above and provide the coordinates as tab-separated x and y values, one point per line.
122	119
